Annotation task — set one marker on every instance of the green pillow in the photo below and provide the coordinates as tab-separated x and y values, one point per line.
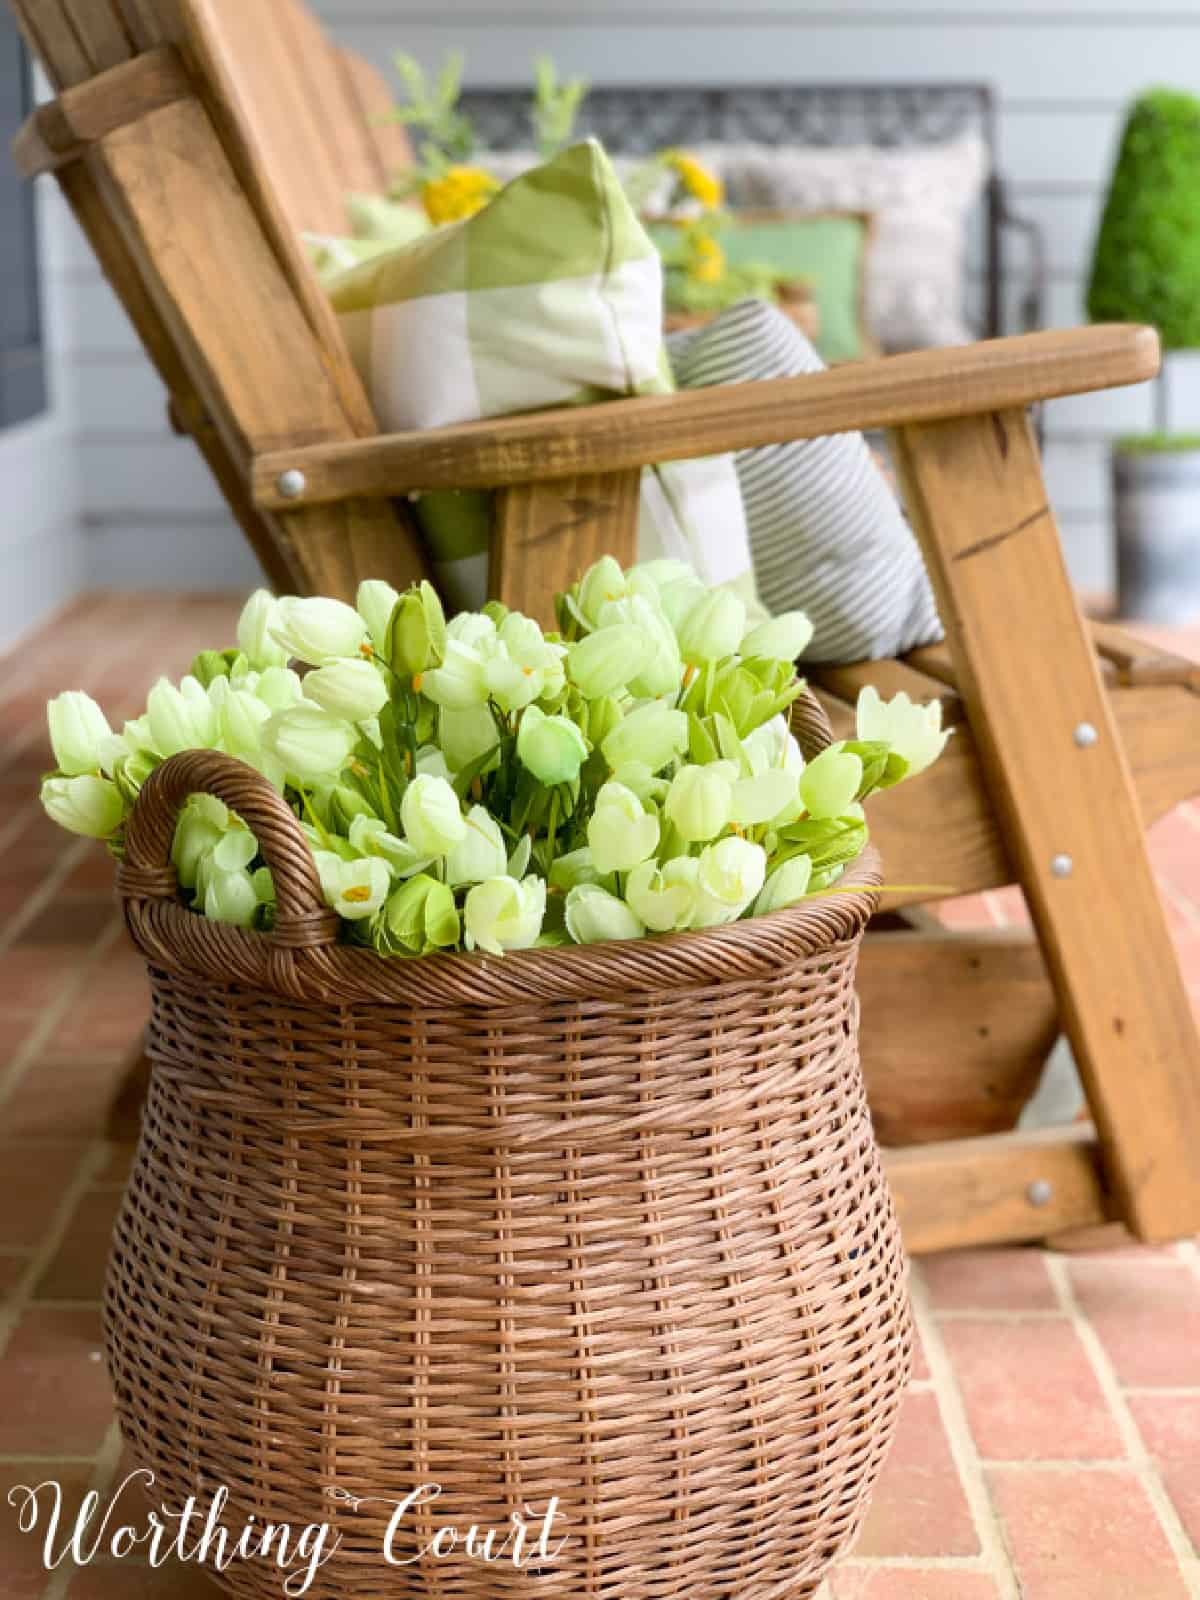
374	216
829	251
549	296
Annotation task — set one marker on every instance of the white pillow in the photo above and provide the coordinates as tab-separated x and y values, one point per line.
920	197
827	534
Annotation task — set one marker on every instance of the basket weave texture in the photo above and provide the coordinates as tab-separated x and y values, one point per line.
606	1224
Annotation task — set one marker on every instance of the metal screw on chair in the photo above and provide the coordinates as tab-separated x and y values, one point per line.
1040	1192
1085	735
291	484
1062	866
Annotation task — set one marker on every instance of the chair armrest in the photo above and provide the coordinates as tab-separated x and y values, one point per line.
543	446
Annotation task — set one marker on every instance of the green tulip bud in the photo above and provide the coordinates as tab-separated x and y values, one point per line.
621	831
181	719
576	866
375	602
608	659
309	743
480	853
664	897
278	688
713	627
653	734
407	642
79	733
432	817
602	583
254	635
829	784
351	689
501	914
419	916
593	915
552	748
231	897
700	801
315	630
785	886
730	875
783	638
84	804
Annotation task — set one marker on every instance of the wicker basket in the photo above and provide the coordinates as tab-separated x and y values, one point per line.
606	1224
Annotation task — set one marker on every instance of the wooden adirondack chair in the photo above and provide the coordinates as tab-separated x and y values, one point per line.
195	138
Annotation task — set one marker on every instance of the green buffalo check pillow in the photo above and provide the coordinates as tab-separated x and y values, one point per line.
549	296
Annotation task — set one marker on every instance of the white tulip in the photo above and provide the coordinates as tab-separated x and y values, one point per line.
914	731
501	914
730	876
432	817
254	632
593	915
353	689
480	853
317	631
79	733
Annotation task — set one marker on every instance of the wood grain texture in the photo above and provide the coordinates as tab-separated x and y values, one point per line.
619	434
1138	662
1028	676
889	677
62	129
976	1191
979	1019
546	534
257	368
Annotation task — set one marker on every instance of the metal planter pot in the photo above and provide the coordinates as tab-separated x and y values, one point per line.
1156	499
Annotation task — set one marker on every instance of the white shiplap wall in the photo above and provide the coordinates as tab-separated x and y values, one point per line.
41	552
1063	69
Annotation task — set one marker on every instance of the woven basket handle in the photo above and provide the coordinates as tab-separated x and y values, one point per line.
811	726
303	919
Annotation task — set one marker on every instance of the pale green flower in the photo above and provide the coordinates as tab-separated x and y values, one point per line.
431	815
235	849
700	802
524	665
621	831
480	853
254	632
231	897
420	916
829	784
79	734
472	628
785	886
503	914
461	680
355	889
593	915
370	837
317	631
416	632
713	627
731	873
664	897
352	689
431	763
643	780
653	734
780	639
202	824
663	670
241	718
309	743
552	748
603	582
466	736
375	602
181	719
576	866
279	687
914	731
84	804
608	659
675	586
764	797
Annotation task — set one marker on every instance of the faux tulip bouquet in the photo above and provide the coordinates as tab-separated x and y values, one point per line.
483	784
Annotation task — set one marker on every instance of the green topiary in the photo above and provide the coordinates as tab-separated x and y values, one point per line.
1146	266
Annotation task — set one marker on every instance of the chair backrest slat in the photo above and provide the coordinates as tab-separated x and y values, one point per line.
216	279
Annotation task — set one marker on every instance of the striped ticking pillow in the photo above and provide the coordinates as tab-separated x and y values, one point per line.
827	534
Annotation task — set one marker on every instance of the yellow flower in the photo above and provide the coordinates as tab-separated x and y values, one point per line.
707	263
459	193
698	181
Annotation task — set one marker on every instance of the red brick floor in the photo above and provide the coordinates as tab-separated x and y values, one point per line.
1050	1443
